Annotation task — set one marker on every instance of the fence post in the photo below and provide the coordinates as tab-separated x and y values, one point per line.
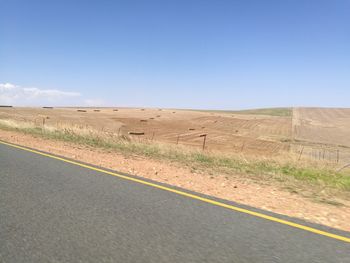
337	155
301	153
243	146
204	139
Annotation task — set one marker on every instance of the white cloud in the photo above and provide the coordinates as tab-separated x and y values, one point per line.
6	87
14	94
49	94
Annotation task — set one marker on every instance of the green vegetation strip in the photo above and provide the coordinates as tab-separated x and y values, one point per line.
281	112
201	160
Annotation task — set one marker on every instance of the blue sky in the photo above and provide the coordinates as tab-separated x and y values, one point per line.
184	54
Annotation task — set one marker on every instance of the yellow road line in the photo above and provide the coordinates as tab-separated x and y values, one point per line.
193	196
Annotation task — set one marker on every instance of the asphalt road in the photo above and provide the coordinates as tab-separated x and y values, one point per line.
53	211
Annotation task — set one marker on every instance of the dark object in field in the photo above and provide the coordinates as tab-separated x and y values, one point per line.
143	120
143	109
81	110
204	135
158	116
136	133
47	107
191	129
6	106
174	111
97	110
151	118
115	110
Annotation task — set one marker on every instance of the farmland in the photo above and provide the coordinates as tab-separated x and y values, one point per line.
323	133
226	132
310	134
322	125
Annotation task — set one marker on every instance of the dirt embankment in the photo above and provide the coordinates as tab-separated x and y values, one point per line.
235	188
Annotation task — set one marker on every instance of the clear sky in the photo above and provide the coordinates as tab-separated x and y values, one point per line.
184	54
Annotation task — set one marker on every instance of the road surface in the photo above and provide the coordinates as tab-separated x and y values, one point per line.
54	211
